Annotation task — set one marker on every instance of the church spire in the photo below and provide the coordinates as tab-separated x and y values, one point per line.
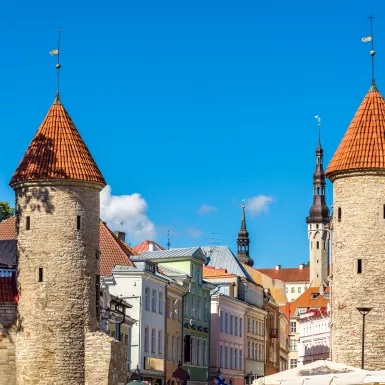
244	242
319	211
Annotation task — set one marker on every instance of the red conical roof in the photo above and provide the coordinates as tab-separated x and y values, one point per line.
363	146
57	152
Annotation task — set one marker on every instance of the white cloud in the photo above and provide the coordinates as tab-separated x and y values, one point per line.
258	204
126	213
193	232
206	209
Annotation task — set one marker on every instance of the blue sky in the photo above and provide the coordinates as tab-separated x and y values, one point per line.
194	102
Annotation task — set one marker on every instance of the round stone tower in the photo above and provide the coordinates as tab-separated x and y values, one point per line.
57	187
357	171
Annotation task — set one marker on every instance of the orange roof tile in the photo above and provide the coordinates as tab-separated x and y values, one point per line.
363	145
145	246
306	300
8	229
113	251
57	152
291	274
213	272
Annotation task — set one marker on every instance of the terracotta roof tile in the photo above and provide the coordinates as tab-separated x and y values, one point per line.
145	246
306	300
8	289
213	272
8	229
363	146
57	152
291	274
113	251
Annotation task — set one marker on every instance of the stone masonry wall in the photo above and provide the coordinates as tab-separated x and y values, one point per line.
55	315
105	360
359	235
8	314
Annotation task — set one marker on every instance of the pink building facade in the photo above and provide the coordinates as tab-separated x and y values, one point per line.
227	347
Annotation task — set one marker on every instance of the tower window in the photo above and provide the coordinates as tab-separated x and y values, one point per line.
324	245
28	223
317	245
317	260
359	266
79	222
384	212
40	274
316	226
339	214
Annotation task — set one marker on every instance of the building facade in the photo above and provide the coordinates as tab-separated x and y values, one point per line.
314	336
283	342
357	171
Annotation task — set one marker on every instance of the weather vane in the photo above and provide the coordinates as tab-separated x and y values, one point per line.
370	39
57	53
168	240
319	128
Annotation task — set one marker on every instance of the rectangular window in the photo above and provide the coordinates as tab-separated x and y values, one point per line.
160	303
178	349
240	327
206	310
235	358
146	339
293	327
293	289
248	350
236	326
79	222
187	348
299	289
186	307
359	266
231	324
199	309
204	353
231	358
198	351
222	319
160	342
153	341
253	327
293	364
28	223
226	357
221	356
174	301
226	323
173	358
41	274
240	360
339	219
193	351
147	298
248	325
194	310
293	345
154	300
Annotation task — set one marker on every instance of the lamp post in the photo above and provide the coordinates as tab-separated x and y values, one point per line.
364	311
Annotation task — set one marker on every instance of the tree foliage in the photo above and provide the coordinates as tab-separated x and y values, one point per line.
307	264
8	211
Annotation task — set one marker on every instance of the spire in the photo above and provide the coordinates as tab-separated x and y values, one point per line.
244	241
57	152
319	211
372	52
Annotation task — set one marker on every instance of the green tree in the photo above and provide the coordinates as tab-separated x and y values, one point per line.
8	211
307	264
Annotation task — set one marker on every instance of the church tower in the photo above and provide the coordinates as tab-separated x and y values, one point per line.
57	185
243	242
357	171
316	222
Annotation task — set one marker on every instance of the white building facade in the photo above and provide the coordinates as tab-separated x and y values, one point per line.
314	336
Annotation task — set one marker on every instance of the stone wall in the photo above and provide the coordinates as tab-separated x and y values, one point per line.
55	314
360	234
105	360
8	315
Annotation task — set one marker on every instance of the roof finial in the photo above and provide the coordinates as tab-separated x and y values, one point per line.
168	240
372	52
58	66
319	129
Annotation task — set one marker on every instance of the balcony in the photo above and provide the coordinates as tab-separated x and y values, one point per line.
273	333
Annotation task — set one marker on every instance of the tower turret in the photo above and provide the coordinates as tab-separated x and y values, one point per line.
57	185
243	242
317	220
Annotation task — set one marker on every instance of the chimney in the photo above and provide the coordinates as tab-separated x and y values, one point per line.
120	235
1	213
150	246
301	266
277	267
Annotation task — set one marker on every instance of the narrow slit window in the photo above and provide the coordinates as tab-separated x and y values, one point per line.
79	222
324	245
383	212
359	266
339	214
317	244
40	274
28	223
